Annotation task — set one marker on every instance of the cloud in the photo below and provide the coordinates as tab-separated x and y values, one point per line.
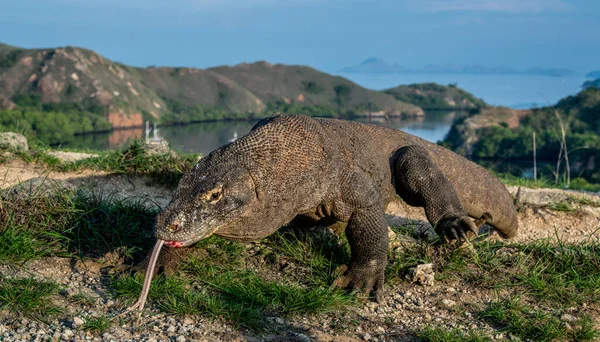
509	6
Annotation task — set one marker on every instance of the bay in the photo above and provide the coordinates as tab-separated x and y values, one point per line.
204	137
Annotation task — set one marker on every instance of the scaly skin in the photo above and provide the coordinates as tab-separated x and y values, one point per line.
324	169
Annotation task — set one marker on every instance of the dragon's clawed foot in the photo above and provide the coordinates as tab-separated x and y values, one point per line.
456	227
362	281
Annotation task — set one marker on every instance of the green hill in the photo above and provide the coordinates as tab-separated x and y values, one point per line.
279	84
124	95
4	49
496	133
592	84
432	96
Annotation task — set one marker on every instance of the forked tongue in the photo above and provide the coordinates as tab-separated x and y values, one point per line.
139	305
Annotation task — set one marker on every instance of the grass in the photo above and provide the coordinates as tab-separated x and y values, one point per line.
315	255
164	169
561	206
29	297
575	184
551	272
83	299
97	324
218	284
73	224
528	323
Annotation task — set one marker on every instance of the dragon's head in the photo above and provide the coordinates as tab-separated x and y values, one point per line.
209	197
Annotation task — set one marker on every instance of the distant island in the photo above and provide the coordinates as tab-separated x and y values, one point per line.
375	65
593	74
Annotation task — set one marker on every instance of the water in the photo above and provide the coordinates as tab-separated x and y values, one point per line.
207	136
515	91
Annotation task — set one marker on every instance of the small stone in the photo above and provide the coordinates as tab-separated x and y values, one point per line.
422	274
367	337
67	334
448	303
181	338
188	321
13	141
171	329
380	330
568	318
77	322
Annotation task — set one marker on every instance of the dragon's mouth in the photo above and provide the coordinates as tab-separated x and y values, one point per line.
174	244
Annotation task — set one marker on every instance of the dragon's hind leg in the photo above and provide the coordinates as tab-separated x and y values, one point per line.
420	182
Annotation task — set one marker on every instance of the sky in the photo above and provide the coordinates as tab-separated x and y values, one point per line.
325	34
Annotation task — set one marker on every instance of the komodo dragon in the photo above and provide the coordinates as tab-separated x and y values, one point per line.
292	166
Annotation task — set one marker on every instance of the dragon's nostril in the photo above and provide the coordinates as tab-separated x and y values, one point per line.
173	227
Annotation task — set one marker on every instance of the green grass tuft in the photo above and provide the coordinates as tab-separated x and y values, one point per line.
29	297
218	284
70	224
165	169
551	272
561	206
97	324
535	324
315	254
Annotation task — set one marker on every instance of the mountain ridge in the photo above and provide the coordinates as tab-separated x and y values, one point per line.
128	94
377	65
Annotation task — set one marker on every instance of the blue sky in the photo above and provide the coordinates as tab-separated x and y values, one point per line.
326	34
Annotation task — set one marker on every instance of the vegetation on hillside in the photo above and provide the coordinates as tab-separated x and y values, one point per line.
592	84
305	86
581	116
52	123
432	96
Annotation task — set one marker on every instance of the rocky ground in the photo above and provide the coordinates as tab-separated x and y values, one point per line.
543	213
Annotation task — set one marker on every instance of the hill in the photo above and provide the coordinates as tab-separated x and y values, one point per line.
432	96
497	132
279	84
83	81
592	84
123	95
4	49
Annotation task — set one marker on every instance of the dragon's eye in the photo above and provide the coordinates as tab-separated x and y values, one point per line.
213	195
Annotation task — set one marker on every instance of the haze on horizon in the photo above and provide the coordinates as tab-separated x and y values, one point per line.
325	34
